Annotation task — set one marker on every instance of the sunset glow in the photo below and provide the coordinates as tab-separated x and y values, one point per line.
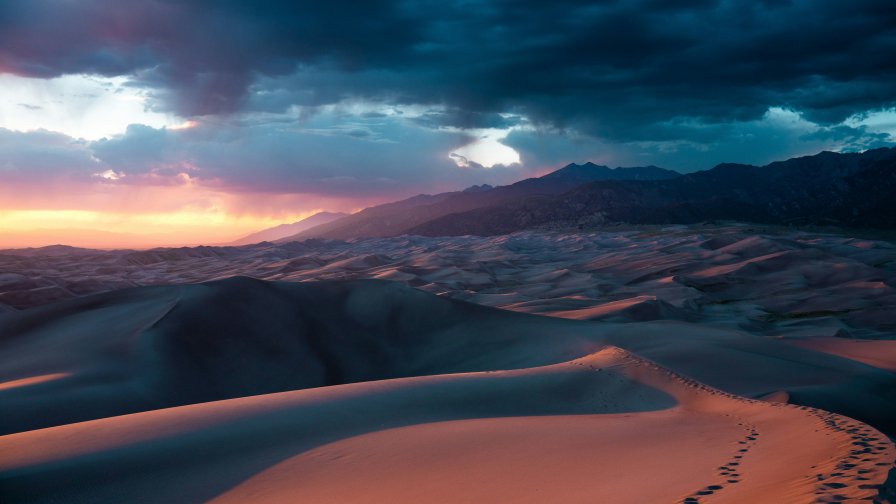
103	229
113	214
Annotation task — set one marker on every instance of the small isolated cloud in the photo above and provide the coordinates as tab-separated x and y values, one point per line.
459	160
110	175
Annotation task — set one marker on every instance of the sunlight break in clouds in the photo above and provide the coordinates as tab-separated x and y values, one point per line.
487	150
883	121
80	106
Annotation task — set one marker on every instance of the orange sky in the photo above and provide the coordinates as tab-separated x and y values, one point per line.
101	215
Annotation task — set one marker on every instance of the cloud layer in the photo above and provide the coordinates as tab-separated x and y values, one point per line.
615	69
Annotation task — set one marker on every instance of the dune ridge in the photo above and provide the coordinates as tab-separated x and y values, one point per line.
279	447
155	347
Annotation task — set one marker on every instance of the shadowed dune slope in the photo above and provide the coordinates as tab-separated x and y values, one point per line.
154	347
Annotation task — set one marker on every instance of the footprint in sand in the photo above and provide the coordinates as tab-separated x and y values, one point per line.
727	471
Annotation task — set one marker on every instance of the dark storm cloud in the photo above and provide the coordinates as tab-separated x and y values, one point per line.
38	155
623	70
467	119
206	53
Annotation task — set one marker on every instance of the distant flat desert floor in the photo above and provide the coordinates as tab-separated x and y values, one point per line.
665	364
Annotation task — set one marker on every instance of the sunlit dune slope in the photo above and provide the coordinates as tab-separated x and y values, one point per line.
596	429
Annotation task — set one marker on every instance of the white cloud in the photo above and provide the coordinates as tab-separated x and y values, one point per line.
881	121
110	175
487	150
80	106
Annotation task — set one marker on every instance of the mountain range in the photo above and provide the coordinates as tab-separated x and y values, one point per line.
284	230
836	189
403	217
848	190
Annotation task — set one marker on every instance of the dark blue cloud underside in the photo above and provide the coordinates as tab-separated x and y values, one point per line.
619	70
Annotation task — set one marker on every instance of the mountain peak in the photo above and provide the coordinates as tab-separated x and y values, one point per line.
589	172
478	188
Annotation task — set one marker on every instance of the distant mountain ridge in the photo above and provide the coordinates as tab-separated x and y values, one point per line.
848	190
590	172
48	250
284	230
393	219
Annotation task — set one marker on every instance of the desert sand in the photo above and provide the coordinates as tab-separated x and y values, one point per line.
878	353
660	365
607	427
767	281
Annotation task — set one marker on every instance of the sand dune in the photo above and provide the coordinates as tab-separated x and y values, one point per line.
766	281
591	429
396	389
750	366
877	353
157	347
636	309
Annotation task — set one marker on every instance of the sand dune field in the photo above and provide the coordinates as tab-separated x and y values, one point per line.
660	366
